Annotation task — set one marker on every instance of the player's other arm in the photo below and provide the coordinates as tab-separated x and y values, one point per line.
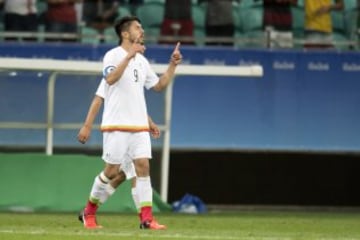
154	129
85	130
168	75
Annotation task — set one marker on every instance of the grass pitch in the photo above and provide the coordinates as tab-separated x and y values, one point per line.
246	225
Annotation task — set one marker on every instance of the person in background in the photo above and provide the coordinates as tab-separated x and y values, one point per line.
318	25
219	22
61	17
277	22
177	23
21	16
100	14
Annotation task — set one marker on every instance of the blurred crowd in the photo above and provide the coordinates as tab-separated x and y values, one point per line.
268	23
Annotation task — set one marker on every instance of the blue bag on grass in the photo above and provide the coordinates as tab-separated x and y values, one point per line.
189	204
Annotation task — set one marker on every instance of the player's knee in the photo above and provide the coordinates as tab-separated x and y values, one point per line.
111	171
142	167
119	178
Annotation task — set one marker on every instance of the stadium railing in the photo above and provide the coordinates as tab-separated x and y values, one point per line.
55	67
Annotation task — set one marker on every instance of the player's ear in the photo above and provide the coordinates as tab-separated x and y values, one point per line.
125	35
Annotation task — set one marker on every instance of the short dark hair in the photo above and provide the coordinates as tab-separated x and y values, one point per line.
123	24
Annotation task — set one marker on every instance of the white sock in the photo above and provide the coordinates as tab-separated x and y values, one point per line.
144	191
109	191
98	189
135	199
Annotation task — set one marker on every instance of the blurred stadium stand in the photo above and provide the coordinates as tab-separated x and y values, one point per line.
248	24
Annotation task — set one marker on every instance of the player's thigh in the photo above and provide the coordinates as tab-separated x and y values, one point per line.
115	147
127	166
140	146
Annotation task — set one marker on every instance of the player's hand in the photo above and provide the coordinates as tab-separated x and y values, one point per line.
154	130
176	56
84	134
136	47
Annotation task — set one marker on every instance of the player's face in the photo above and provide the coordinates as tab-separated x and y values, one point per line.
136	33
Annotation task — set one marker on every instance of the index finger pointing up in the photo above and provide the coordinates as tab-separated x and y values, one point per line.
177	47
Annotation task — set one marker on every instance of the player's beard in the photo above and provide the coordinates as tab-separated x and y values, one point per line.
133	39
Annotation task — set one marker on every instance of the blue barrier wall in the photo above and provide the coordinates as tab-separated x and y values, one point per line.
305	101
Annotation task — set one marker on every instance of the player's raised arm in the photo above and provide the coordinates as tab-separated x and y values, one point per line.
166	77
116	73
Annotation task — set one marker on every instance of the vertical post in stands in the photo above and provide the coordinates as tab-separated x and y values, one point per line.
165	161
50	114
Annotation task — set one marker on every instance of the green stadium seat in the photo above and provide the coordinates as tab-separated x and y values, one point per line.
237	18
253	39
41	6
252	32
341	41
251	19
154	1
89	35
199	36
239	37
1	20
298	23
300	3
250	3
152	35
298	17
350	4
123	11
338	21
151	14
198	15
110	36
351	24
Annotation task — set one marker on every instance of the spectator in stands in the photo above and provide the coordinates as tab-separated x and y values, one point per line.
61	17
318	25
21	16
100	14
277	22
219	22
177	24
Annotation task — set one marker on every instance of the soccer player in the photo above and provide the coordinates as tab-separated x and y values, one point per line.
125	120
126	171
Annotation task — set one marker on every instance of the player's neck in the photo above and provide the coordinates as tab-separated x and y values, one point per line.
126	46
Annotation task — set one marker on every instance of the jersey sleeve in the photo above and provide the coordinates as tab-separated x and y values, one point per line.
109	63
101	89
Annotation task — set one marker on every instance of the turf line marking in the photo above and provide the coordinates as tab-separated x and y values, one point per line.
123	234
144	235
141	235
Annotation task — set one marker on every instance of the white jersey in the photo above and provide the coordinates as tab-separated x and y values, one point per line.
125	106
101	89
